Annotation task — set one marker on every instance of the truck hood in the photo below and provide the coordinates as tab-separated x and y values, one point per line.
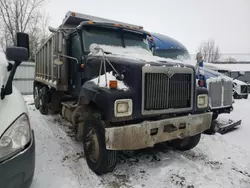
134	53
127	61
11	107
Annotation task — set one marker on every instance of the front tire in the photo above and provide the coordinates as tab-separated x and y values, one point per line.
215	115
99	159
186	143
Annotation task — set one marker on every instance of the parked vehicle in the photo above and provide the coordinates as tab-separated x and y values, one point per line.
117	102
219	87
17	144
240	88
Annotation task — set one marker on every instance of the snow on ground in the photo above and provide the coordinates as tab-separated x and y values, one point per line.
241	136
217	162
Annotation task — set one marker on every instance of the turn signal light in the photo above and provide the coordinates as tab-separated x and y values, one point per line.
113	84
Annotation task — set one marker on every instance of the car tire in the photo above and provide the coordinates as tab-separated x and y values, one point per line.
215	116
99	159
43	101
36	97
245	97
186	143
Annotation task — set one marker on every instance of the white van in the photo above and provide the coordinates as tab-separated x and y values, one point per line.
17	144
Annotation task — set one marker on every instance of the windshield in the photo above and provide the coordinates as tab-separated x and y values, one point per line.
111	37
173	54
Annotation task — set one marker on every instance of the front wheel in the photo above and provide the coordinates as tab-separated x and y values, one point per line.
186	143
99	159
215	115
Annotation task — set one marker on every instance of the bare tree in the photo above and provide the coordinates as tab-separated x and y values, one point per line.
209	51
21	16
231	60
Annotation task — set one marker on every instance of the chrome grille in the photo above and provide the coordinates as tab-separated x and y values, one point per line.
215	94
220	93
228	90
163	93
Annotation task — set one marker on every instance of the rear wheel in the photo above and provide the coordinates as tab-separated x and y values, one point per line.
43	101
186	143
36	97
99	159
245	96
215	115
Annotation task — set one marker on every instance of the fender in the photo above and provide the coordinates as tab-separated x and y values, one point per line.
102	98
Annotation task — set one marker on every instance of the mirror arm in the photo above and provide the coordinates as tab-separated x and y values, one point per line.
8	88
69	57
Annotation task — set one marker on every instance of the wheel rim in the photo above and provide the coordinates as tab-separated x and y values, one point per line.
92	145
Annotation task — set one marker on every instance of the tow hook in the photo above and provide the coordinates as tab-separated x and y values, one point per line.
181	136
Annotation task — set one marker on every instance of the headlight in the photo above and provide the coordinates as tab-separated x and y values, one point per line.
17	136
202	101
123	107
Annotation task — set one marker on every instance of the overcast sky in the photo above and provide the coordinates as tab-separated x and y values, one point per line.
189	21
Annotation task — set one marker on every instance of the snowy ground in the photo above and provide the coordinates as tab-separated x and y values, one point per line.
217	162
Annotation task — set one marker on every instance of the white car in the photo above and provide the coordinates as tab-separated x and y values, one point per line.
240	89
17	144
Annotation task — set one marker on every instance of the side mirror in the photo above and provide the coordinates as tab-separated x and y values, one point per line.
17	54
22	40
153	50
152	47
241	73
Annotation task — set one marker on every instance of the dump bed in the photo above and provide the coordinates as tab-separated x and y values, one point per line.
55	75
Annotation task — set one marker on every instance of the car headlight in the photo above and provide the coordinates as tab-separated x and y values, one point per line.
202	101
123	107
15	138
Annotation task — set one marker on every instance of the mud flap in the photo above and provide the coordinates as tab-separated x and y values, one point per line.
225	127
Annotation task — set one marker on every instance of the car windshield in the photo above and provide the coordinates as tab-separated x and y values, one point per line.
112	37
173	54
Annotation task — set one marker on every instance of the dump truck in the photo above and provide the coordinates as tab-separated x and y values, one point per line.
102	77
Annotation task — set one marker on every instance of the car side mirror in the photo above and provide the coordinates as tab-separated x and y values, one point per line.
17	54
22	40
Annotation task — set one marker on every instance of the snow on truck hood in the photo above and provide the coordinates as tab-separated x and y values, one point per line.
130	52
133	52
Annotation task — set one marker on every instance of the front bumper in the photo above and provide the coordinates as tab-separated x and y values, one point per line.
223	109
18	171
148	133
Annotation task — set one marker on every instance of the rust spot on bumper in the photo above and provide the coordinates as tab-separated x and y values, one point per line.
138	136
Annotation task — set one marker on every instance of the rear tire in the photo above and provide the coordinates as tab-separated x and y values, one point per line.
186	143
99	159
43	101
36	97
245	97
215	116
